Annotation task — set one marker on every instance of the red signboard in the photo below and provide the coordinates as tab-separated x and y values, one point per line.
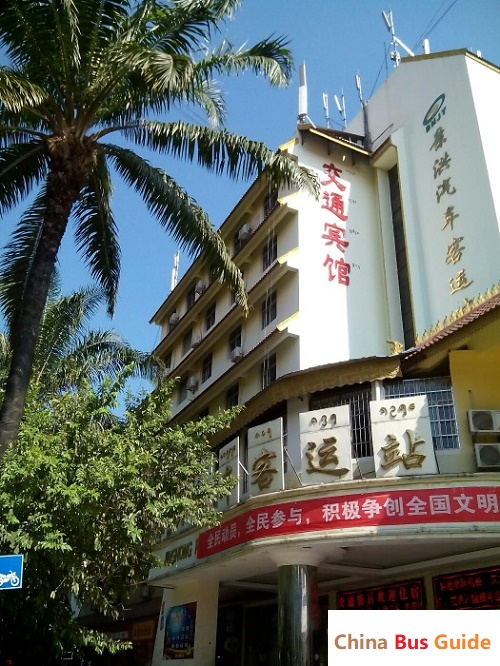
409	595
477	504
474	590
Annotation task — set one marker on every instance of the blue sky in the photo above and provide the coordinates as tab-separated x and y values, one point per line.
336	40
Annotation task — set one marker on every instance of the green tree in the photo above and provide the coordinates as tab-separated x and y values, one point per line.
86	503
79	71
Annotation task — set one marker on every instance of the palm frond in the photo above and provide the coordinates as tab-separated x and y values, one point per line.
22	167
185	25
18	92
184	219
96	233
64	319
99	354
29	39
17	260
222	152
270	57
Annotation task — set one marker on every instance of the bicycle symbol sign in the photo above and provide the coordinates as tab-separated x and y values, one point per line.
11	572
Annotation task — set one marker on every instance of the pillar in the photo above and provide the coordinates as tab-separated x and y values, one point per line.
296	594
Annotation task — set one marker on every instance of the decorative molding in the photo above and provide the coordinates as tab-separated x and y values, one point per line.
468	306
396	347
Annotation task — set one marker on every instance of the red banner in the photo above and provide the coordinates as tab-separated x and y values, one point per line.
476	504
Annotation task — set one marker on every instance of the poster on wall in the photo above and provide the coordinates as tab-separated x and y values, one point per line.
180	624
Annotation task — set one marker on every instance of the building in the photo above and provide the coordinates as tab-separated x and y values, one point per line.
368	452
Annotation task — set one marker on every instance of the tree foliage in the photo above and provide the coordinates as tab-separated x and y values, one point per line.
86	497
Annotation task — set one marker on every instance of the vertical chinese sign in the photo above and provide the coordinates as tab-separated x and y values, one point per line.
265	458
402	438
335	197
445	190
229	465
325	443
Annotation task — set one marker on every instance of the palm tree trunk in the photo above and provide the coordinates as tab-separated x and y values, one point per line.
63	187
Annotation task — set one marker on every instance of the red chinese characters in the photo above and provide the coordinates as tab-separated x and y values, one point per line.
406	507
334	233
409	595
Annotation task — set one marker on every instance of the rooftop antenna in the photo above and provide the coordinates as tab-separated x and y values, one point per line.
303	118
357	80
175	272
325	109
364	106
395	41
341	108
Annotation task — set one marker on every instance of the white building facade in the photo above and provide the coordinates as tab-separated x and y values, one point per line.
359	484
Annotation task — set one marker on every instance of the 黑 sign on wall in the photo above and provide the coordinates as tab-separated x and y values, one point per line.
11	572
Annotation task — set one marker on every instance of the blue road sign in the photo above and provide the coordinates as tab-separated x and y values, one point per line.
11	572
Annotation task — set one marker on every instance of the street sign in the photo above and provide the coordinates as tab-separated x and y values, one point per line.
11	572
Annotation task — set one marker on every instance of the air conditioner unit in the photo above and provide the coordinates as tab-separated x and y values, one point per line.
173	320
488	455
200	287
192	384
236	354
244	232
484	420
195	341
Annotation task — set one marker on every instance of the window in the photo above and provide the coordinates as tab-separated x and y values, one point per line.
206	368
232	396
241	237
268	370
235	338
441	406
187	341
210	317
168	360
183	389
270	201
204	412
191	297
269	251
359	407
173	320
269	308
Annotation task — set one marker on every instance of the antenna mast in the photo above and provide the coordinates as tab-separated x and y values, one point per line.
303	118
341	108
175	272
395	42
325	109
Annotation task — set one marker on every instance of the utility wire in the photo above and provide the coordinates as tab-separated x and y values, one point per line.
431	26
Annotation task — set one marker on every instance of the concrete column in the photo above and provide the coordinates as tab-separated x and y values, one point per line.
296	589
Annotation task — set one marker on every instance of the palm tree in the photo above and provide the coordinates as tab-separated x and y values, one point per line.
79	71
68	352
